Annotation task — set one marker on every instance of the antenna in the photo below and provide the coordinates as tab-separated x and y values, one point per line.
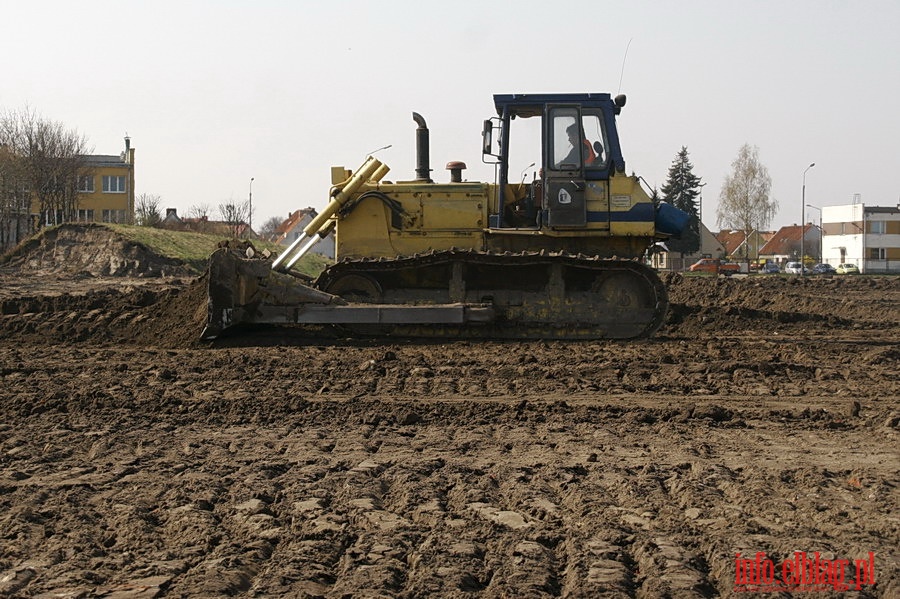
381	148
622	74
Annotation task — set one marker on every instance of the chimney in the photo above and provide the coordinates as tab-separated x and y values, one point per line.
128	154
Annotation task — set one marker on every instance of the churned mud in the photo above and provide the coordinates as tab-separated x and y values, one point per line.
136	461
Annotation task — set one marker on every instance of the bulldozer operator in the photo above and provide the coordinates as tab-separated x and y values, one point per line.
574	156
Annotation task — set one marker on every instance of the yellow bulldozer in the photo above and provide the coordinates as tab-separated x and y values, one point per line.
557	257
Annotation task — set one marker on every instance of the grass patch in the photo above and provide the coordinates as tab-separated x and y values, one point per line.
194	248
191	248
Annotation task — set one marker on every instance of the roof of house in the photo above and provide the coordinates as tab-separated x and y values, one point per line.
294	219
783	241
730	240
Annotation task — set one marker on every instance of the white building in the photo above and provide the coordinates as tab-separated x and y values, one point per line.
867	236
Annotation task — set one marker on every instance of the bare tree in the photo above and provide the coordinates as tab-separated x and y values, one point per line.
14	199
53	161
147	212
744	202
199	211
270	227
234	214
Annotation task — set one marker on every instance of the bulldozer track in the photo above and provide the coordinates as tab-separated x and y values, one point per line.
538	295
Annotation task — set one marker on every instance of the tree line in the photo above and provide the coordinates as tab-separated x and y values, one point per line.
745	202
233	214
42	159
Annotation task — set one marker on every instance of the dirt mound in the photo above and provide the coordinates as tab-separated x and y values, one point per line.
85	283
92	249
85	310
770	303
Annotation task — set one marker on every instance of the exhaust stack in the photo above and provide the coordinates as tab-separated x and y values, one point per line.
423	170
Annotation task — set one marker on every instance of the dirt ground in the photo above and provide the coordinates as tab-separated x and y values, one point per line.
137	462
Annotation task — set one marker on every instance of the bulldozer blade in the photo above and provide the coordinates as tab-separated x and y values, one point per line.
240	290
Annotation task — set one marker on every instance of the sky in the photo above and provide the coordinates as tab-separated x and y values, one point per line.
213	94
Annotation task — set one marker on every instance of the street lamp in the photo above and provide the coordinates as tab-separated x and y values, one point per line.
820	230
250	215
803	216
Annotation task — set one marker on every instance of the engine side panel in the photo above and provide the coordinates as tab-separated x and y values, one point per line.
418	218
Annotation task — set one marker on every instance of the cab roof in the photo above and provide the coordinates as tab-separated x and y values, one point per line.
530	105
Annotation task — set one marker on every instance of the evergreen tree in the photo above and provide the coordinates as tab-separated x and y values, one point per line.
681	189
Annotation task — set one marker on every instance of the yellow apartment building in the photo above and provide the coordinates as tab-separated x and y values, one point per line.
106	191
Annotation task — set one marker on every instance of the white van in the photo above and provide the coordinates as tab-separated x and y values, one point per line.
792	268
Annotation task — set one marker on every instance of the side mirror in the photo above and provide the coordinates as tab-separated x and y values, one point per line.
487	137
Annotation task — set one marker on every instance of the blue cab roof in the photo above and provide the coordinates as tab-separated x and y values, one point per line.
530	105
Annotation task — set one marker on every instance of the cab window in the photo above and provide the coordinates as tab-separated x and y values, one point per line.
595	134
577	142
566	151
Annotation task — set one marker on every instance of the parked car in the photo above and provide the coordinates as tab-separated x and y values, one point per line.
769	268
823	269
715	266
792	268
847	269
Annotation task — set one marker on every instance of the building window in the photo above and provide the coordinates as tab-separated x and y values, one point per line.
876	227
114	216
52	217
86	184
876	254
113	184
86	215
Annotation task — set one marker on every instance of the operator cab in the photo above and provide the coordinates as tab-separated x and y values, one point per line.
579	149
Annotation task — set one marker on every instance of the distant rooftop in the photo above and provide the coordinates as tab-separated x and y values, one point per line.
104	160
883	209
